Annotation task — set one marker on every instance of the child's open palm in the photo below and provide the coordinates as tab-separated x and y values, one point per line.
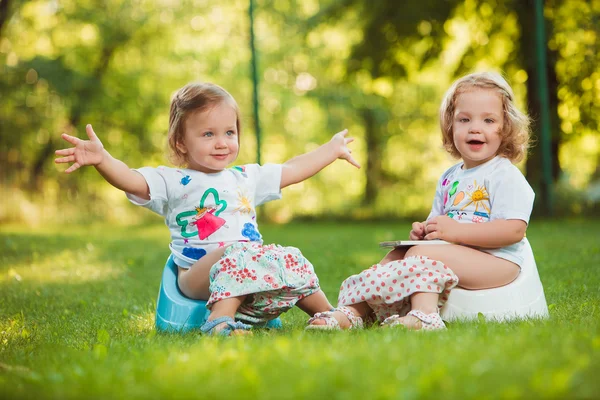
85	152
341	143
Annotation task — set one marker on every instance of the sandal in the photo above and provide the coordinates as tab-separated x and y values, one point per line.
231	325
429	322
332	324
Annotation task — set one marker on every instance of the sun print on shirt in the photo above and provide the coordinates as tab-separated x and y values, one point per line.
244	203
478	197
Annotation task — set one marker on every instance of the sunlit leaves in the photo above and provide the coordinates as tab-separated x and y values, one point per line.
323	66
577	41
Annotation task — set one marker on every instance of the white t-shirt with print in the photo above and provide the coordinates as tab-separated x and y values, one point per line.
490	191
208	211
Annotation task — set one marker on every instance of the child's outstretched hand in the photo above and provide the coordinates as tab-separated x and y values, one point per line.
340	142
441	227
418	231
85	152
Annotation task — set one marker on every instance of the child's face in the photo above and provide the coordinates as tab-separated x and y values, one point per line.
477	122
210	141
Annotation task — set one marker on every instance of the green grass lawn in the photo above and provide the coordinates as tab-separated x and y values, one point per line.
77	321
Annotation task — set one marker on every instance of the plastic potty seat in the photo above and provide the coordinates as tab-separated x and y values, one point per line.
177	313
522	298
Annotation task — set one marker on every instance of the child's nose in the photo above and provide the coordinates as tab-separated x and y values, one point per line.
220	142
474	128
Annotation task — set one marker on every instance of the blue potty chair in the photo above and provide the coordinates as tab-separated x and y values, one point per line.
177	313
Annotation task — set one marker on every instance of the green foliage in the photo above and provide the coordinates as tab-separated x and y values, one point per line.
376	68
77	320
576	38
388	29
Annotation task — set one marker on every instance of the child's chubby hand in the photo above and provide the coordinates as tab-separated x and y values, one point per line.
84	152
339	141
442	227
418	231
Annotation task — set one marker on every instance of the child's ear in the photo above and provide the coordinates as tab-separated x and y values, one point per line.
181	147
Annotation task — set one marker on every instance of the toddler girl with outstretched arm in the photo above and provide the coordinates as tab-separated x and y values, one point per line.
210	210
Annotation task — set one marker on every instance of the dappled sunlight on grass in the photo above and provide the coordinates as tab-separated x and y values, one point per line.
66	266
141	323
14	331
78	321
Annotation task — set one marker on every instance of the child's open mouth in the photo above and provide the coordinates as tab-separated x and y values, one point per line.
475	144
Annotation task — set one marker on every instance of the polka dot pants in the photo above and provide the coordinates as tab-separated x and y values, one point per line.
387	288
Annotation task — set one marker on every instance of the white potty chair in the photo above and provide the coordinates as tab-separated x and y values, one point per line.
522	298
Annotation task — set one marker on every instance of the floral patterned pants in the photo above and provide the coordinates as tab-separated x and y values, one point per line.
272	277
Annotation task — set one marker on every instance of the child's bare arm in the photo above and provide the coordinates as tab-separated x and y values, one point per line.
92	152
493	234
306	165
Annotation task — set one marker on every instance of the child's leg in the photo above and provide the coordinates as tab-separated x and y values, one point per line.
270	278
360	310
314	303
394	255
227	308
427	303
194	282
384	291
475	269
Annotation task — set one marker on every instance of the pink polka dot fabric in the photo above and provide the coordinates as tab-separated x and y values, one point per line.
387	288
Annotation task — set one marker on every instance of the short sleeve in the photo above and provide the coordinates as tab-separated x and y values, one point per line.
437	208
267	182
511	196
157	183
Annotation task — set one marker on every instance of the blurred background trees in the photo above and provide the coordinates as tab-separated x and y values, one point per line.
375	67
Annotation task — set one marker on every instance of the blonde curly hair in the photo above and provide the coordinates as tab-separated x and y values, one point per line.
516	130
192	98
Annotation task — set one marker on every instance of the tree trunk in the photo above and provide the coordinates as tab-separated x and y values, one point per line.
534	166
374	156
4	13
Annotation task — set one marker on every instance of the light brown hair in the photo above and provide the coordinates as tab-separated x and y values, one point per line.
192	98
516	129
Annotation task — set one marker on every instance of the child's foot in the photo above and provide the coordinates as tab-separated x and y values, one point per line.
225	326
218	330
417	320
332	319
336	319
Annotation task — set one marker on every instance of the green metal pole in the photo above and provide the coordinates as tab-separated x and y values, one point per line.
546	134
254	81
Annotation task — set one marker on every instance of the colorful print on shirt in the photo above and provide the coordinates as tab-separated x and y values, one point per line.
469	201
205	219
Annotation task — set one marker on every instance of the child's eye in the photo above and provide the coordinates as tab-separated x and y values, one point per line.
463	120
208	134
230	133
489	121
